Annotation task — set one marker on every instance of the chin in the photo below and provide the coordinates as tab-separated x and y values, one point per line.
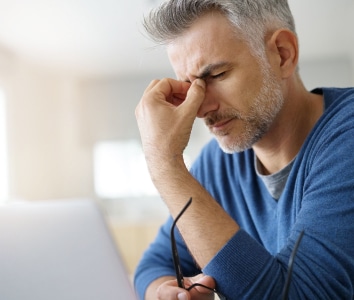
234	147
230	145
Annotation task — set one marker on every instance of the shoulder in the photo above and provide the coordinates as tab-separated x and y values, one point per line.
338	112
338	100
330	144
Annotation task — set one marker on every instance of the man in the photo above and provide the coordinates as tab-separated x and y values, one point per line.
281	162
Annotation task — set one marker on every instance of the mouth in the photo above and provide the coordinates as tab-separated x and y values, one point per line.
221	123
220	126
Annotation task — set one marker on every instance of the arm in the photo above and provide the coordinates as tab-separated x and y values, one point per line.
165	129
241	266
157	262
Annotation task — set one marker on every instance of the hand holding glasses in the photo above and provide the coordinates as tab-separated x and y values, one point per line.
178	270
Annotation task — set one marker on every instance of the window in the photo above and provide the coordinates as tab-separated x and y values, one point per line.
120	170
4	185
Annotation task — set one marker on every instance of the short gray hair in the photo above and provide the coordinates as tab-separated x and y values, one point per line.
252	19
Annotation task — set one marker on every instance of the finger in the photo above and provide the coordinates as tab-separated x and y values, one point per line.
207	281
177	99
200	283
170	290
195	96
169	88
152	84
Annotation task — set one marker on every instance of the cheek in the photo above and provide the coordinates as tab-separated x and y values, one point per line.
234	94
250	88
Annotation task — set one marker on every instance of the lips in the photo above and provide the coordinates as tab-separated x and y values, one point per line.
220	127
221	123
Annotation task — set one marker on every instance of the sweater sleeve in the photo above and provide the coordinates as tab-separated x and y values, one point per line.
243	262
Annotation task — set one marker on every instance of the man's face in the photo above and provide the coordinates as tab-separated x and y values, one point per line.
243	96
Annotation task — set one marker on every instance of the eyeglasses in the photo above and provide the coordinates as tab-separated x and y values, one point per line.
290	266
177	265
178	270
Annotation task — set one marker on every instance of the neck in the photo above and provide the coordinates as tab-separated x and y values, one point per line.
283	141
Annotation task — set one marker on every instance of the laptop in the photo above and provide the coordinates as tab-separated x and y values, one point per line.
59	250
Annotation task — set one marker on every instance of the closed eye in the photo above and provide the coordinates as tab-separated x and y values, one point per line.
218	75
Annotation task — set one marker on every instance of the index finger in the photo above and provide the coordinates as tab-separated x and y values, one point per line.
195	97
169	88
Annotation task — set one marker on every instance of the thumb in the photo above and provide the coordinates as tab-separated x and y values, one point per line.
203	284
195	97
207	281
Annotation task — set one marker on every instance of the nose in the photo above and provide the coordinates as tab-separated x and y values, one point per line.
210	104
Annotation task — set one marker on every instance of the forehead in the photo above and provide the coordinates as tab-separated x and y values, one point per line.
210	40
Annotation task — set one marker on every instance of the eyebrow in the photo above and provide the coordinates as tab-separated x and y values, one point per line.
209	69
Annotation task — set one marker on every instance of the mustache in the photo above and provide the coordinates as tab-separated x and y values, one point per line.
217	117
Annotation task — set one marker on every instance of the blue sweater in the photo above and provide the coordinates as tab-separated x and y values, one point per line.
318	198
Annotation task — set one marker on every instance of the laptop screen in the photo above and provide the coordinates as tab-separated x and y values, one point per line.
59	250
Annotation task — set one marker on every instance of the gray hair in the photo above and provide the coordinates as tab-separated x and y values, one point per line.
252	19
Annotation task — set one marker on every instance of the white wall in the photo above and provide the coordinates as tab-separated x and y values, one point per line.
327	72
46	156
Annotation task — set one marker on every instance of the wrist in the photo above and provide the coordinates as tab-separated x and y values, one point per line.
168	173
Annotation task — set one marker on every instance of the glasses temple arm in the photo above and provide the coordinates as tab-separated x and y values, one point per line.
175	256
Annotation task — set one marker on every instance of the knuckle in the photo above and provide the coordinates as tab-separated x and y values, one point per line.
155	81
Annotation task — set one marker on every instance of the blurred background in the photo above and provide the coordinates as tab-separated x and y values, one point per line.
71	74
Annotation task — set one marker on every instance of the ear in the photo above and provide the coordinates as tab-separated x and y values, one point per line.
284	51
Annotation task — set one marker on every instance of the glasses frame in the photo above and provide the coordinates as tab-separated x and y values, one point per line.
175	256
178	269
285	294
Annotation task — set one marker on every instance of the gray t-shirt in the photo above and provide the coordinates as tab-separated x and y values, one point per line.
274	183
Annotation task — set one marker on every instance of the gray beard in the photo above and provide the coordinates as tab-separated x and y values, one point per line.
263	112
